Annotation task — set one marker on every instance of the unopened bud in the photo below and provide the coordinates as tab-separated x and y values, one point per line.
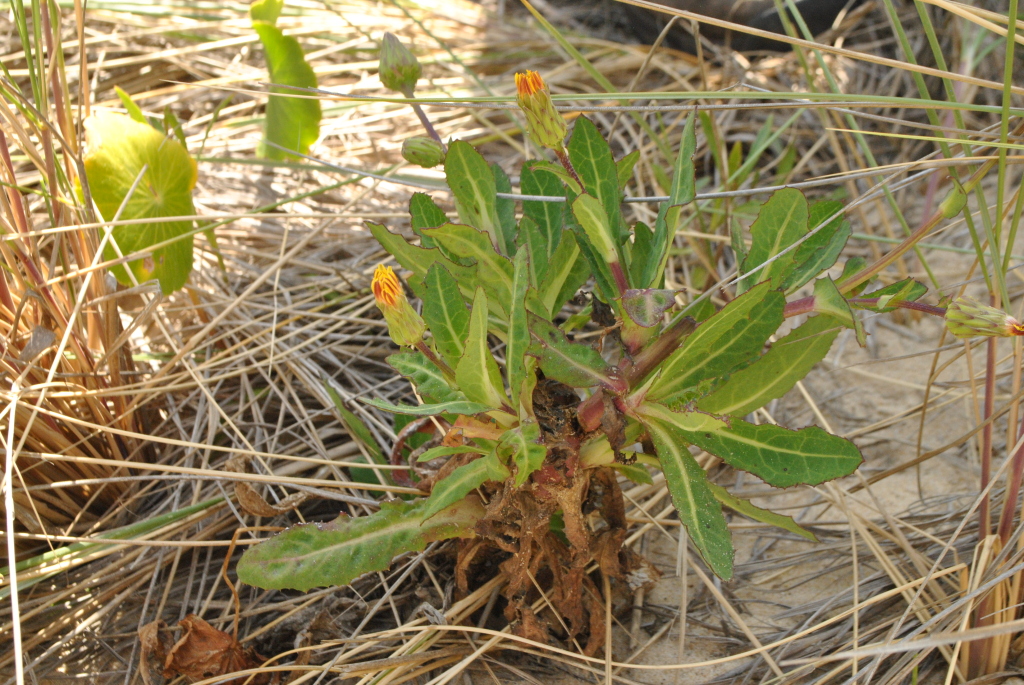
545	125
953	203
405	326
426	152
399	69
966	318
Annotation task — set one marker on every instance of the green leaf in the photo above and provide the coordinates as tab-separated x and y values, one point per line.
624	168
776	372
518	329
506	208
682	191
445	451
722	343
890	296
593	161
133	110
851	268
646	307
527	453
593	237
266	10
424	213
781	222
692	496
530	240
463	407
428	379
119	151
493	271
777	455
445	312
576	365
547	215
462	481
477	373
758	514
567	272
420	259
315	555
636	473
472	182
291	122
820	251
830	302
361	434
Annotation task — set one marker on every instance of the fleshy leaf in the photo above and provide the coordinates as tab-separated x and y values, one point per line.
682	191
593	161
119	149
493	271
723	342
567	272
419	259
518	329
691	493
820	251
424	213
506	209
776	372
445	451
624	168
546	215
336	553
477	374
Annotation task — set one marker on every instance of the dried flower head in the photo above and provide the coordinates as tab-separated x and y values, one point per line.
546	126
405	326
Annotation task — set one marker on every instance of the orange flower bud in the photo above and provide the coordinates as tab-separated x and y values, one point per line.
405	326
546	126
967	318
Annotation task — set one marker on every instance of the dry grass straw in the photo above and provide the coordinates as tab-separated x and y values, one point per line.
234	366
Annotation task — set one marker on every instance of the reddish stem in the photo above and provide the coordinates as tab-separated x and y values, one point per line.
563	158
986	436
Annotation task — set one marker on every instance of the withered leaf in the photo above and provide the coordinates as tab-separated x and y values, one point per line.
203	652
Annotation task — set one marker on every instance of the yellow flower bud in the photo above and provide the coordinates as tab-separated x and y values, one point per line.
405	326
966	318
546	126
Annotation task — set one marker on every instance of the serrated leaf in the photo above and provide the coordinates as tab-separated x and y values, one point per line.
462	481
477	373
291	122
493	271
647	307
119	150
445	451
758	514
472	182
445	312
506	209
780	456
574	364
688	485
316	555
722	343
819	252
780	223
518	329
624	168
593	161
422	373
776	372
523	445
464	407
546	215
424	213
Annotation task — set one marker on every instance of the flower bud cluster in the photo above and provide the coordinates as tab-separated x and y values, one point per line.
967	318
